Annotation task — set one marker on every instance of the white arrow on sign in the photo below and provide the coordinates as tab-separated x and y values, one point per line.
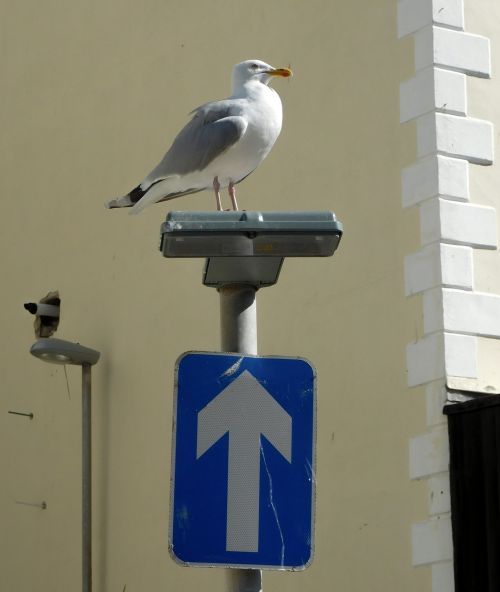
246	410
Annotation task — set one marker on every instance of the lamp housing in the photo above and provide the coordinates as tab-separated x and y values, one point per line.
250	234
59	351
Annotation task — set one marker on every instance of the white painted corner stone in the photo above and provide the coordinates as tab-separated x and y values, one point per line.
438	488
458	223
435	176
454	50
457	266
435	400
459	137
443	578
460	355
439	264
457	311
429	453
415	14
433	89
437	356
432	541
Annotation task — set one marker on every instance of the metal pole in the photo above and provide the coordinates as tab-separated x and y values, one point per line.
86	479
238	315
244	580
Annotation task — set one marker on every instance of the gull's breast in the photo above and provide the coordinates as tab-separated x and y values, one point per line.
264	119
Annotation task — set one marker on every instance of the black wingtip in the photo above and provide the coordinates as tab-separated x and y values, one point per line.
136	194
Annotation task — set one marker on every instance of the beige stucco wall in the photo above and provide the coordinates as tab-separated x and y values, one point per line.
92	94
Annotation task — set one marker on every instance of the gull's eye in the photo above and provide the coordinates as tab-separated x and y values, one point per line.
254	67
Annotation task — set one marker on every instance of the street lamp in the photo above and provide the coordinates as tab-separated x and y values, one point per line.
244	251
59	351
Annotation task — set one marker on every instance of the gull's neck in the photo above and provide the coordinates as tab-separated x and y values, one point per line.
249	89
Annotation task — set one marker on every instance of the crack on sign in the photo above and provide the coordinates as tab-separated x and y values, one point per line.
232	369
310	472
271	501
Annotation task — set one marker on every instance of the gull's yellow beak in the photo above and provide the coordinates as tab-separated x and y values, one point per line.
284	72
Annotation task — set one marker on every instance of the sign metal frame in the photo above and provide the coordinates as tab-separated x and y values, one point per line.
235	369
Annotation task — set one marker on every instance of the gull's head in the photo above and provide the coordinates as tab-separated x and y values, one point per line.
256	70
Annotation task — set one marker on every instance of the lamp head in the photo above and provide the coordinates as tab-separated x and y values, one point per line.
248	247
250	234
59	351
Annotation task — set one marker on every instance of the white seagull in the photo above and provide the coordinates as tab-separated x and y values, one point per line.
221	145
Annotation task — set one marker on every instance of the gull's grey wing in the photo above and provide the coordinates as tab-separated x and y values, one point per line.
212	130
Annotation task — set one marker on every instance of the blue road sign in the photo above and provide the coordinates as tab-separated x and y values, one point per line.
243	461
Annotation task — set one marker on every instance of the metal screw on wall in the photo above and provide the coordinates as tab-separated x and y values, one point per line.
30	415
41	505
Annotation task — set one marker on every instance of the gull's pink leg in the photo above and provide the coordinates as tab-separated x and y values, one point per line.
216	186
232	194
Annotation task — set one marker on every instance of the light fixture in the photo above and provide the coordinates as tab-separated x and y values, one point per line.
47	312
59	351
248	247
243	234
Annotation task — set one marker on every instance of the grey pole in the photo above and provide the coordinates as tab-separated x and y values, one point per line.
238	315
86	479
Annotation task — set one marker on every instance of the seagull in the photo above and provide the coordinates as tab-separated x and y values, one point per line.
221	145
